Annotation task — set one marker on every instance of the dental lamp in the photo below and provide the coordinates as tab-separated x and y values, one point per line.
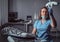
50	4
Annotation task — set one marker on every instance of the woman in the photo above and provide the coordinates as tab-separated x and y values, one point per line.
42	26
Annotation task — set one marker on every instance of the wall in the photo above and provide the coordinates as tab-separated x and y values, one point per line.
3	12
12	5
0	12
28	7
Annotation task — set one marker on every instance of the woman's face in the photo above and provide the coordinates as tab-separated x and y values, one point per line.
44	12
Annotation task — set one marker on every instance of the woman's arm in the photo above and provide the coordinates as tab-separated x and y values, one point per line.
34	31
52	21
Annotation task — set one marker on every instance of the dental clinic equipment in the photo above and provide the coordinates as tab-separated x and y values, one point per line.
26	24
50	4
15	32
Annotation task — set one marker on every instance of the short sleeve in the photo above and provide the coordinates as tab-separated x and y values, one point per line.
35	24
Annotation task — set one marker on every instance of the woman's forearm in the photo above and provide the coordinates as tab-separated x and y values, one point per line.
52	21
34	31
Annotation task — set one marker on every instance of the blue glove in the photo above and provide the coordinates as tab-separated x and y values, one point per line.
50	10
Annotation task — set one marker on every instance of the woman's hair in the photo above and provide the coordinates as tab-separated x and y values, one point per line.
47	17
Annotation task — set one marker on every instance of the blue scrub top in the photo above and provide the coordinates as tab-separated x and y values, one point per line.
43	30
